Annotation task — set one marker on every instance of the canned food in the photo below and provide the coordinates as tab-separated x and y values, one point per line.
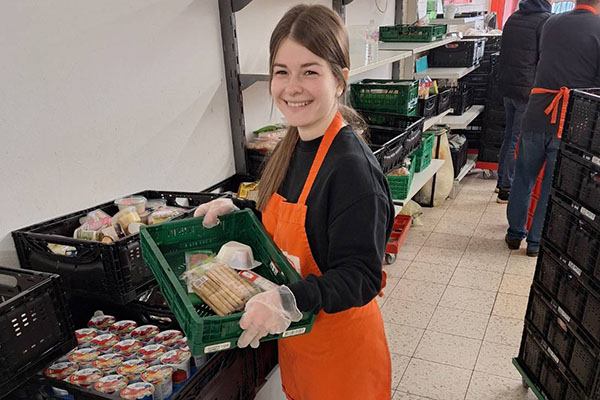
111	384
84	357
128	347
85	335
85	377
180	361
108	363
145	333
61	370
169	338
152	353
138	391
101	322
132	369
161	376
105	341
123	328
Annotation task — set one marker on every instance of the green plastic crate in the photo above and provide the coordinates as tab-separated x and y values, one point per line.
163	249
412	33
384	95
400	185
422	156
432	9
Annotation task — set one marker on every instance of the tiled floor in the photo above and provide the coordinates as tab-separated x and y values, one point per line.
455	301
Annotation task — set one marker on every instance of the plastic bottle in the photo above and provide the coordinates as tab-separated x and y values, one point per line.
372	42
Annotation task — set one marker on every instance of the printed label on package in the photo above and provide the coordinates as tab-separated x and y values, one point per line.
587	213
217	347
596	160
575	268
294	332
551	354
563	314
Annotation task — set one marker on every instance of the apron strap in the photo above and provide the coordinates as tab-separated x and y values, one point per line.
561	94
587	8
330	134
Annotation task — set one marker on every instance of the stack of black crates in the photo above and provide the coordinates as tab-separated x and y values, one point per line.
486	132
560	350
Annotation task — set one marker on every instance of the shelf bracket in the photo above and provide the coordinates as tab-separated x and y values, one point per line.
250	79
237	5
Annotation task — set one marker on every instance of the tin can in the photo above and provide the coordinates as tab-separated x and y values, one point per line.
85	335
132	369
108	363
110	384
128	347
169	338
61	370
180	361
145	333
101	322
104	342
161	376
138	391
123	328
84	357
85	377
151	354
83	234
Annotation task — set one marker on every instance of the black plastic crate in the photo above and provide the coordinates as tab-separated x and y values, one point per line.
392	137
476	79
462	99
114	272
489	152
230	185
459	157
256	162
444	100
35	325
582	126
465	53
565	344
428	107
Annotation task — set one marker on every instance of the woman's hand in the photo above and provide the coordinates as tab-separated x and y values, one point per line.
270	312
212	210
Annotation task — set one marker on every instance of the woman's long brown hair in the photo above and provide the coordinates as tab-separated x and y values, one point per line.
323	32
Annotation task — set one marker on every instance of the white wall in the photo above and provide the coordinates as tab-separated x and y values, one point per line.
104	98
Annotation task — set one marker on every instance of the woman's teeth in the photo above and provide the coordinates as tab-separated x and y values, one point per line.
302	104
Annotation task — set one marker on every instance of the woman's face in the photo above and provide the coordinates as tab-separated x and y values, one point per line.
303	86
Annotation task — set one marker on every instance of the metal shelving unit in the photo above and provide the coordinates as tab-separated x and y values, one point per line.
445	72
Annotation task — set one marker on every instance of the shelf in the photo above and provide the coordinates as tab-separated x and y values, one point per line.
359	64
415	47
446	73
420	179
468	167
462	121
429	122
456	21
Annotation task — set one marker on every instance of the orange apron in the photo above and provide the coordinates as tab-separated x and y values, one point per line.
345	356
561	94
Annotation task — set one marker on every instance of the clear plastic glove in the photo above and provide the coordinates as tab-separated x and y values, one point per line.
270	312
212	210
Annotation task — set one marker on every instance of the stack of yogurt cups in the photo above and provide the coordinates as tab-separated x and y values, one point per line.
120	358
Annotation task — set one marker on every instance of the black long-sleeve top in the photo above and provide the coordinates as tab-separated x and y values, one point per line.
349	218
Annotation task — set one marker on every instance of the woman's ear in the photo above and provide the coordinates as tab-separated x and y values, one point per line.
346	73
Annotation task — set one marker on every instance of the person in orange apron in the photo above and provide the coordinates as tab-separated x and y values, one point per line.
569	58
326	204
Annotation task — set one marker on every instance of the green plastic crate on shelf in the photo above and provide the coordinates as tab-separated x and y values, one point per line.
412	33
400	185
422	156
384	95
432	9
163	249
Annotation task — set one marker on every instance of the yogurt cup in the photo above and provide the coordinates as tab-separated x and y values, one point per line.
169	338
110	384
85	377
104	342
85	335
61	370
123	328
101	322
198	360
138	391
108	363
132	369
180	360
151	354
128	348
84	357
161	376
145	333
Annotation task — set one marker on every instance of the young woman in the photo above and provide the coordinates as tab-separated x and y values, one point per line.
326	203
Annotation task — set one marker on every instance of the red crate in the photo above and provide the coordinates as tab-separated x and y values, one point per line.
397	237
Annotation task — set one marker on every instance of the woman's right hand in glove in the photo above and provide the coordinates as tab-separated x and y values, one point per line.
212	210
